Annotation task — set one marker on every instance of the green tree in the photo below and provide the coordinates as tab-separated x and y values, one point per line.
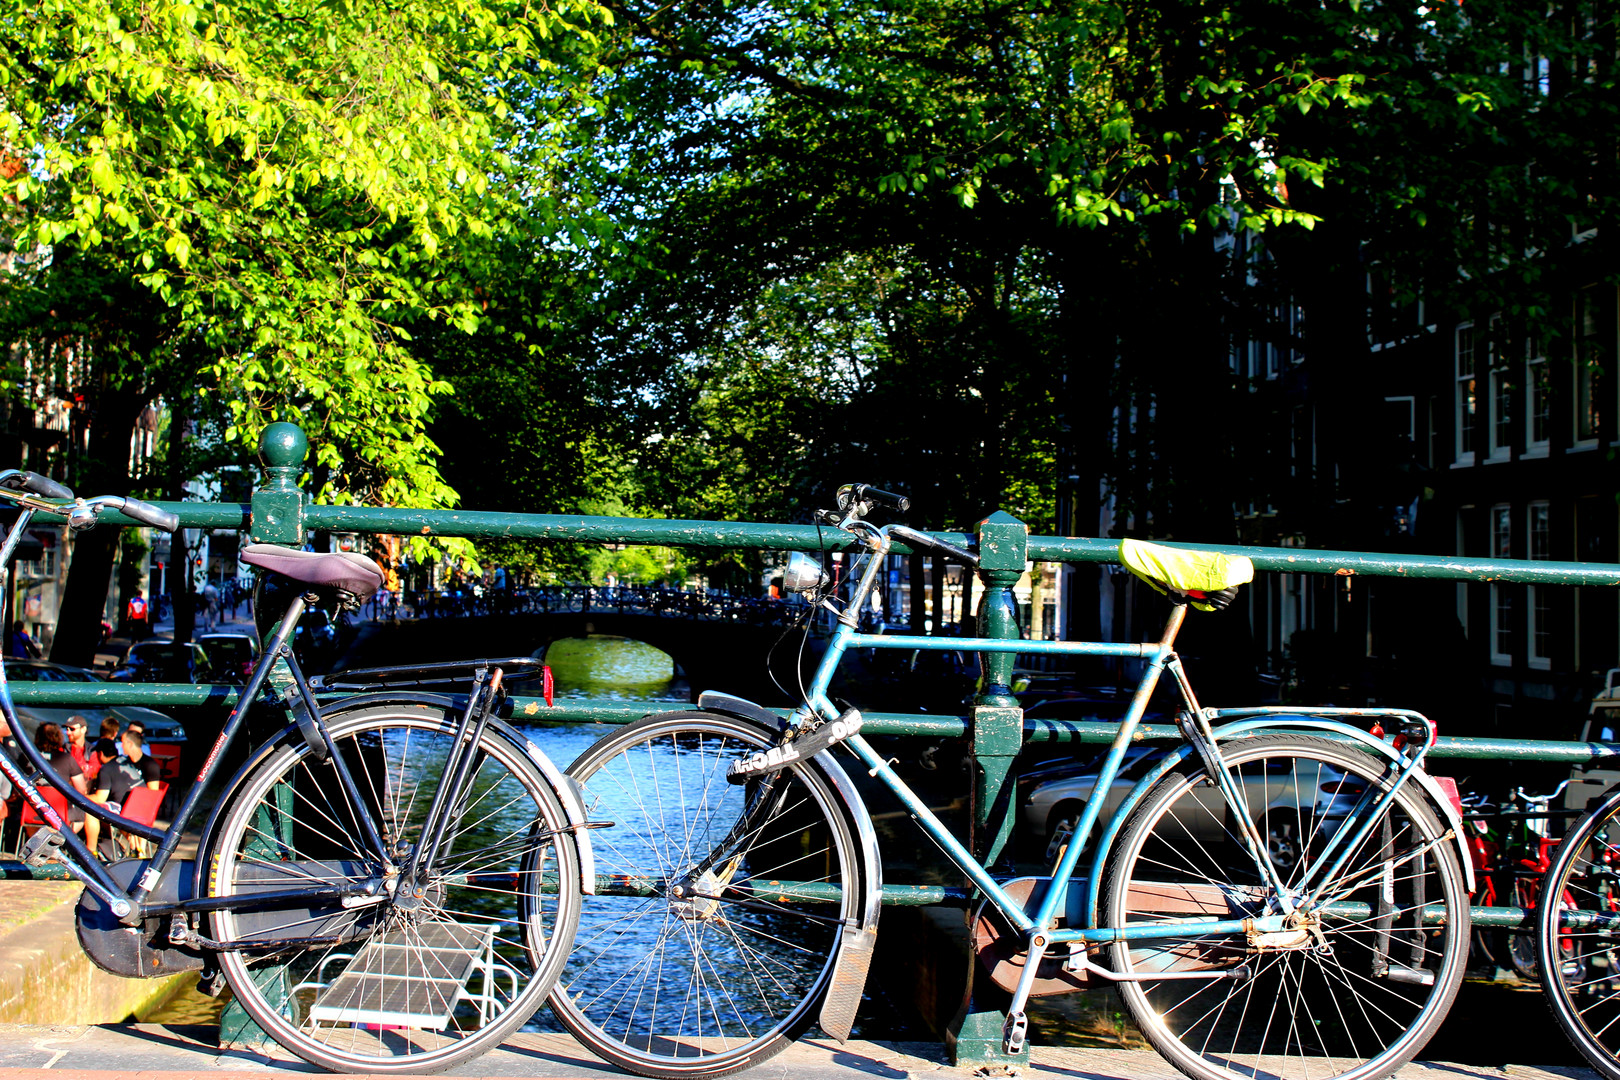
255	202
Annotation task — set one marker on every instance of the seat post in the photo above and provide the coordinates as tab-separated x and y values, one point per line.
1172	625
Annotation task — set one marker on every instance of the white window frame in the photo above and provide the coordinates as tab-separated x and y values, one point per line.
1538	531
1501	525
1498	394
1465	396
1537	399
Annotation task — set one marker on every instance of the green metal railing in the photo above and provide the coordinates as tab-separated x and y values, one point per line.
280	513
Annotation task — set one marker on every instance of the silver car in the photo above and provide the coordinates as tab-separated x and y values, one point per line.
160	727
1278	796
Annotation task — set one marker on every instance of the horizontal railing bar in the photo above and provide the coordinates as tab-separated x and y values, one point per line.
477	524
1346	563
603	711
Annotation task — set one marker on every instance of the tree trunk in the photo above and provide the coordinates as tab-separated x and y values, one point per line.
84	597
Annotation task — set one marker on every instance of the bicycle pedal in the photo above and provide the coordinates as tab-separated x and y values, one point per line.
43	847
1015	1033
799	748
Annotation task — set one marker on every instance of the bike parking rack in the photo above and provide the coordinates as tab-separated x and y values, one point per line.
280	512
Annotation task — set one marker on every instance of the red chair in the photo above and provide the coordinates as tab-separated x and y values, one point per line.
31	821
141	805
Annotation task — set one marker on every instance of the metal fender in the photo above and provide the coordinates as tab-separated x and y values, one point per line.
1181	753
859	938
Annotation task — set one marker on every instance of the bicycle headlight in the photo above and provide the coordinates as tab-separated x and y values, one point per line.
803	573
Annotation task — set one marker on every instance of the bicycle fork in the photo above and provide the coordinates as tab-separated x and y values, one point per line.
450	799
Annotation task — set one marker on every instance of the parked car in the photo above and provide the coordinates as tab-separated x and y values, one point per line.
164	660
160	727
1056	794
1589	780
231	654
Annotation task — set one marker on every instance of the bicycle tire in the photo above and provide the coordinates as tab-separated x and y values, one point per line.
1342	1015
1583	988
701	987
414	986
1523	953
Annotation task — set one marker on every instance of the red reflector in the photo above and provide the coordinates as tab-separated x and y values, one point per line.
1448	787
1344	787
547	684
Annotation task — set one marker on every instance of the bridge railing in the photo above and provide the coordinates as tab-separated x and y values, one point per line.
280	513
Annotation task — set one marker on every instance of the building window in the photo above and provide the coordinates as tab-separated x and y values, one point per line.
1537	399
1501	594
1466	402
1500	384
1538	600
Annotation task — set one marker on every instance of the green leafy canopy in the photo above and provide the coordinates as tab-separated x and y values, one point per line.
294	182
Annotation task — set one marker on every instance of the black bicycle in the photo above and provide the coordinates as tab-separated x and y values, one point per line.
389	884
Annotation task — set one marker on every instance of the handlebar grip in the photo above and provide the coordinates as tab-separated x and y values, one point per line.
148	514
42	486
867	493
920	539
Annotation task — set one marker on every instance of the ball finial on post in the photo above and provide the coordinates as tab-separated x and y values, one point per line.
283	446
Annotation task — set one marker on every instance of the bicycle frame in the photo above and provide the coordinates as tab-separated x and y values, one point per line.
1039	929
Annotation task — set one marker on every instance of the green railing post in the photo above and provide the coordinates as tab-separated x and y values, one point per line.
278	503
278	518
997	725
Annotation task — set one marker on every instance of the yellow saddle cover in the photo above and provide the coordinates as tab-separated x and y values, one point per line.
1196	573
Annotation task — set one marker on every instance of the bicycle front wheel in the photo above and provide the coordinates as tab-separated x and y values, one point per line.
1578	936
719	907
1356	987
389	982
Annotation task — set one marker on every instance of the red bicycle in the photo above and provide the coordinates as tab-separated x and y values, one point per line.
1513	847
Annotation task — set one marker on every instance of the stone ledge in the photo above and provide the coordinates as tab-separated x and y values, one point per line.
45	978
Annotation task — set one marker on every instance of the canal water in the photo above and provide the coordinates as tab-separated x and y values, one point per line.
598	666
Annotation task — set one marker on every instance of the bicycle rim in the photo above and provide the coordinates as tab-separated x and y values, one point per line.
1358	992
676	974
400	984
1583	931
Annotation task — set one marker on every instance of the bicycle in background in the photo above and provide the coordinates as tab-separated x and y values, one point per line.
1512	843
390	884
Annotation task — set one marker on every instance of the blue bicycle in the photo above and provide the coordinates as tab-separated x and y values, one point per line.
1285	894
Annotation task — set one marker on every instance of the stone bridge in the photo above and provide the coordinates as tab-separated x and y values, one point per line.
716	641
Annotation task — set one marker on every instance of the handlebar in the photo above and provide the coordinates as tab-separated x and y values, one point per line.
35	484
920	539
36	493
851	498
147	514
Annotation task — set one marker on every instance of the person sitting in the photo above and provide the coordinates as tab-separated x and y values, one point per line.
106	747
51	743
124	774
77	729
20	644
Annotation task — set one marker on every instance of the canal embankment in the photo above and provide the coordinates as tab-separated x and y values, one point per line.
46	978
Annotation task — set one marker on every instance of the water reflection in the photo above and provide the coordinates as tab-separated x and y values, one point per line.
614	668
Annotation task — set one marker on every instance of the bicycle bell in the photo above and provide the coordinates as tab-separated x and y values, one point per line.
803	574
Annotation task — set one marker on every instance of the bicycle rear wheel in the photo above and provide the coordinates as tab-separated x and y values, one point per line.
708	947
392	983
1582	931
1355	993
